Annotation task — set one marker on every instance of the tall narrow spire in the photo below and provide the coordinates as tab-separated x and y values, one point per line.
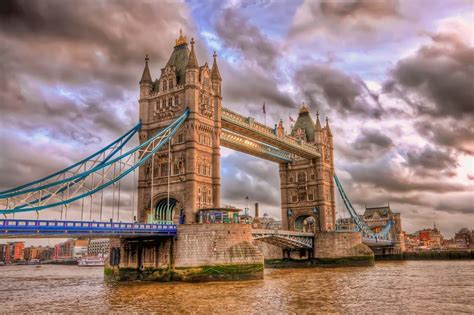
215	74
146	76
327	127
318	123
192	62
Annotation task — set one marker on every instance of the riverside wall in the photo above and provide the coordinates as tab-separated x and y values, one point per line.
200	252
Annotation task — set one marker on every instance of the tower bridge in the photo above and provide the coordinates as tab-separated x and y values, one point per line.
183	125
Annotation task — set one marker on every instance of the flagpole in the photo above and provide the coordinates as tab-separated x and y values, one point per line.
264	113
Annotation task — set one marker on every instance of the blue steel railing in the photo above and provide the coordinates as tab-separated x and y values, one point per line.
18	227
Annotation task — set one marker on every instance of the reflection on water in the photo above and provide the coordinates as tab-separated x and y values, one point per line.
395	287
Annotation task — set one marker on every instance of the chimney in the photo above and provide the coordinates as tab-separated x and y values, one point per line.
256	219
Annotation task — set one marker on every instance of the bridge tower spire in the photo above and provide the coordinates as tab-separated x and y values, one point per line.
145	81
193	163
307	188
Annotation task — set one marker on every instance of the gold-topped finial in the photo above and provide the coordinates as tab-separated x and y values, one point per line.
214	55
181	39
303	109
146	58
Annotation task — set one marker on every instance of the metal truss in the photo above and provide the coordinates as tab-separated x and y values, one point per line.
248	127
75	170
285	239
98	172
360	224
240	143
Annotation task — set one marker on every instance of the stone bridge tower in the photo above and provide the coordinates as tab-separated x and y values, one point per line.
307	186
194	168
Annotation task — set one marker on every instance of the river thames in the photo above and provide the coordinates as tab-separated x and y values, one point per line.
389	287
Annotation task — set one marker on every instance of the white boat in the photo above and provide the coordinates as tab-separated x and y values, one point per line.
93	261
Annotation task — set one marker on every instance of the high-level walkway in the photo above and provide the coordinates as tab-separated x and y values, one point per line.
247	127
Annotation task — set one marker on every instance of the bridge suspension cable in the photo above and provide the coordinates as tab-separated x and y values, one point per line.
47	193
360	224
97	158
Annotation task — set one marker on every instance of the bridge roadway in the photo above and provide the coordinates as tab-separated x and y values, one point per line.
20	228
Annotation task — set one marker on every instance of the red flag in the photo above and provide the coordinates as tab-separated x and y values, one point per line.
264	107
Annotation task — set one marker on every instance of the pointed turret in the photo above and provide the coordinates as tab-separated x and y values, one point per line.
146	85
318	130
328	130
146	76
192	62
318	123
305	123
215	74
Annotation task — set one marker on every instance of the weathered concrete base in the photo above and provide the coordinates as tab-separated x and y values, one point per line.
341	249
198	274
200	252
361	261
332	249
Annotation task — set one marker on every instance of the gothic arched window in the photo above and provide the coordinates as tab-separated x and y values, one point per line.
302	177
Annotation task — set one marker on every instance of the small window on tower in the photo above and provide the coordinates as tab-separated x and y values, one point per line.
165	86
170	84
176	100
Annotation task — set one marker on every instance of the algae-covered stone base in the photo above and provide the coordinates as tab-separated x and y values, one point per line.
219	272
135	274
355	261
189	274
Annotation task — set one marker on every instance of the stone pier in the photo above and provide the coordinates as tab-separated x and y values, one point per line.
331	249
342	249
200	252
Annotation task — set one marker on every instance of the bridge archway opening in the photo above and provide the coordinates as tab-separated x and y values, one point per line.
306	223
163	212
244	165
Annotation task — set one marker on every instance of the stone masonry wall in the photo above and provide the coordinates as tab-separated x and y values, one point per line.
340	245
215	244
269	251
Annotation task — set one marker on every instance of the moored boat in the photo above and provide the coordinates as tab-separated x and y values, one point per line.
94	261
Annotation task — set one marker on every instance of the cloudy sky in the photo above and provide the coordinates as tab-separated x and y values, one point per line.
395	78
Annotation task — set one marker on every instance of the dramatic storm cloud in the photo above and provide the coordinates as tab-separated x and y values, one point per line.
396	79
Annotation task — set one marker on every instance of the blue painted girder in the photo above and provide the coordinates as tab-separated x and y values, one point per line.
48	228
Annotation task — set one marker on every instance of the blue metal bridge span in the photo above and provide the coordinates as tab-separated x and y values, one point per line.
17	228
